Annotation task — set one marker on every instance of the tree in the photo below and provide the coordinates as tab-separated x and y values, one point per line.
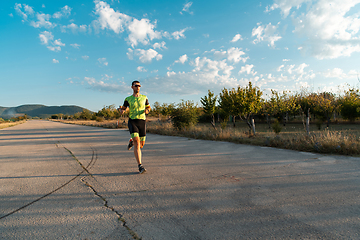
250	103
109	112
166	109
209	106
280	106
156	109
227	102
350	105
86	115
242	102
324	106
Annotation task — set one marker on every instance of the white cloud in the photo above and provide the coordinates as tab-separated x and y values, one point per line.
332	30
103	61
236	38
186	8
27	10
145	56
182	59
65	12
286	5
300	69
206	74
43	21
234	54
54	48
45	37
11	15
72	26
85	57
159	45
108	18
83	28
55	61
106	87
75	28
248	69
59	43
266	33
142	31
337	73
139	30
141	69
215	68
293	73
75	45
106	77
179	34
280	68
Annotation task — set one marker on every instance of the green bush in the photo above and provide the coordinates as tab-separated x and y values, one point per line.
86	115
184	115
276	126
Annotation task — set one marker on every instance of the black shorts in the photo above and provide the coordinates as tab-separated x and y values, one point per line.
137	128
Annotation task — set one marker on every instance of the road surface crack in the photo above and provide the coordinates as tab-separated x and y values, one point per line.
106	203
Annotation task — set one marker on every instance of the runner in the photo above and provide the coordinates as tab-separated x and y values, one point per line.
138	106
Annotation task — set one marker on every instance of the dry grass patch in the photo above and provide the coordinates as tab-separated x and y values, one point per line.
344	142
10	124
117	123
341	139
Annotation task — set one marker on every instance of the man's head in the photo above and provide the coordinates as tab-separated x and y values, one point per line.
135	85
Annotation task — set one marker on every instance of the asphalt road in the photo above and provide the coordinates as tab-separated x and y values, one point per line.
60	181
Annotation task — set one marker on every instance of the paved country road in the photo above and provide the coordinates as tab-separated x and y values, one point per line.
60	181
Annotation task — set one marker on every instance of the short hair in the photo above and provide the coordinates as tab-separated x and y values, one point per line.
132	84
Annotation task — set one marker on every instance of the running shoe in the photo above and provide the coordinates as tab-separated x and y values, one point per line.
141	169
131	144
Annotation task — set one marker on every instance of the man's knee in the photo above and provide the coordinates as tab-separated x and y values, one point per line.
142	143
136	141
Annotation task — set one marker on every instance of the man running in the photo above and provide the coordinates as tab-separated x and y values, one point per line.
138	108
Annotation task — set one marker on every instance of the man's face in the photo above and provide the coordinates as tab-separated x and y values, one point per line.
136	87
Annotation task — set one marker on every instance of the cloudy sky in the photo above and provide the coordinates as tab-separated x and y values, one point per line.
87	53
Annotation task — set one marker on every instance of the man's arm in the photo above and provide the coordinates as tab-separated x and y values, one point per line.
147	106
122	109
147	109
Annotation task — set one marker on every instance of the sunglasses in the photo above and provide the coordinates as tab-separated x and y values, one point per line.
137	85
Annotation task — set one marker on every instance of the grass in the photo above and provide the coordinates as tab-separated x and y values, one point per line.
343	139
117	123
10	124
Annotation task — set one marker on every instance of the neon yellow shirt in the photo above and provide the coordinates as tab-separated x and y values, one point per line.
136	106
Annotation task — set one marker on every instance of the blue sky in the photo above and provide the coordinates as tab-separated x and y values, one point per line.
87	53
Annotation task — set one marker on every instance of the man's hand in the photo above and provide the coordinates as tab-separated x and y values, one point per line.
121	109
147	110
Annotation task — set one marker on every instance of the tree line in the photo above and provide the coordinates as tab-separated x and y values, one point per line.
247	103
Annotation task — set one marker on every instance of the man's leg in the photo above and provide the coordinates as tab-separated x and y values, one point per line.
137	149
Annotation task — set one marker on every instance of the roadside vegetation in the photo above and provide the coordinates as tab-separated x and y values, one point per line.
315	122
12	121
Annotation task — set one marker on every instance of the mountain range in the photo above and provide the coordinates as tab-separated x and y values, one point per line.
37	110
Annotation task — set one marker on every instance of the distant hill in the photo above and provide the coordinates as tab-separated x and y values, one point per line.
38	110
